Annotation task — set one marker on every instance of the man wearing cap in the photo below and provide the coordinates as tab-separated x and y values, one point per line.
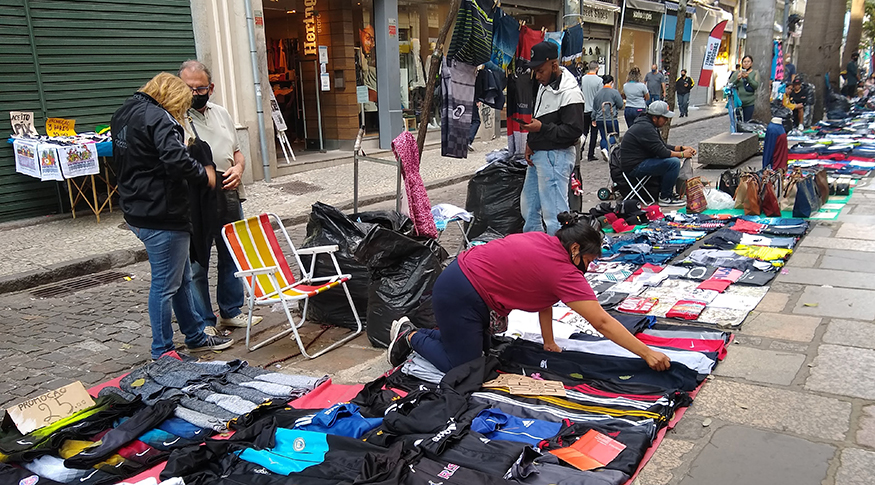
643	152
795	100
557	124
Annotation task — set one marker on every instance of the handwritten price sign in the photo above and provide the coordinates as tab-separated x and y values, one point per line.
50	407
60	127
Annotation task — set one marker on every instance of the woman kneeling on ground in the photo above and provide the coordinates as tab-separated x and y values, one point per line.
530	272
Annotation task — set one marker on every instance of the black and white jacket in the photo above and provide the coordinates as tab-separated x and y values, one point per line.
559	108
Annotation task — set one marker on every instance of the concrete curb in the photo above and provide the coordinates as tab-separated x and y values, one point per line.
125	257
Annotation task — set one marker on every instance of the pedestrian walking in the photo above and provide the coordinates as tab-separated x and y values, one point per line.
682	88
636	95
655	82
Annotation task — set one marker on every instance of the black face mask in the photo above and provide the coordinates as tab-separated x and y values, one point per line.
198	101
582	266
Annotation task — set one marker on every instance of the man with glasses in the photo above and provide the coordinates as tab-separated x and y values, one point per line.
214	125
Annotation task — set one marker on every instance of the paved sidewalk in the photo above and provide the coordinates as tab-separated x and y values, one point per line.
38	252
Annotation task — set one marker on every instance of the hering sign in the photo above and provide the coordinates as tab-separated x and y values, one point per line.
310	25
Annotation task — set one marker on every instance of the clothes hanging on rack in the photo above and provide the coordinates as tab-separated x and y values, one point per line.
555	37
527	39
457	82
572	44
505	37
472	36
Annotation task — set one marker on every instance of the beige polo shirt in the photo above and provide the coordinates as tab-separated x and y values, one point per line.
216	127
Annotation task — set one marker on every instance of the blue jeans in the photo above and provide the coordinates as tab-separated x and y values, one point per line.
545	191
654	97
746	113
475	124
667	168
631	114
684	104
604	126
170	289
462	318
229	288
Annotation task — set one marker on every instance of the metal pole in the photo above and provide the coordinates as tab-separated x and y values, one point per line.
259	104
398	186
355	182
620	35
303	103
319	104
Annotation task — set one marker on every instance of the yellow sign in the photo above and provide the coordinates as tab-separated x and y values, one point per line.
60	127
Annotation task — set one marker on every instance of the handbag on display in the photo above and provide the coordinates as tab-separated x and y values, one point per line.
770	187
728	181
840	187
740	194
686	173
822	182
696	200
747	196
807	200
788	194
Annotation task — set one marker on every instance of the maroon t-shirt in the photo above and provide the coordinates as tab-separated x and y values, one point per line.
529	272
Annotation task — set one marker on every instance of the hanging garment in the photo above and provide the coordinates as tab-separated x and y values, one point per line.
417	74
489	88
555	37
406	152
472	36
505	37
520	105
572	44
528	38
457	81
775	147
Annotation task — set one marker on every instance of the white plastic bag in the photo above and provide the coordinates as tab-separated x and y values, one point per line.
719	200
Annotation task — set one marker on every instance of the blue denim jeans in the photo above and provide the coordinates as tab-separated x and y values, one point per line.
667	168
170	289
654	97
606	126
631	114
684	104
545	191
747	113
229	288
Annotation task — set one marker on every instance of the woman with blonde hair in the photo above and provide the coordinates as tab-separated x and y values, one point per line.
154	169
636	96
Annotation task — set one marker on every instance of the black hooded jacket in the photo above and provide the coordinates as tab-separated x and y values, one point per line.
153	166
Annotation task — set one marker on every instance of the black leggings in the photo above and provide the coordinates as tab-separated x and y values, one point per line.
462	318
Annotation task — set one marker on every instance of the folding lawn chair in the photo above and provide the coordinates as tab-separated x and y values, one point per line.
637	186
268	278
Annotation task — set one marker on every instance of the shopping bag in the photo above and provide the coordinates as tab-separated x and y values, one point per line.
822	182
807	198
751	200
696	201
770	187
740	193
685	174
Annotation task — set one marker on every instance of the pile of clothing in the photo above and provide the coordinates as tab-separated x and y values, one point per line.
718	273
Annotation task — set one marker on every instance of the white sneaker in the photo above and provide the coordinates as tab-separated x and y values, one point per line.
239	321
605	154
396	326
800	128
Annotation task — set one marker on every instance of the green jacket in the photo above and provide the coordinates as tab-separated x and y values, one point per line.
747	98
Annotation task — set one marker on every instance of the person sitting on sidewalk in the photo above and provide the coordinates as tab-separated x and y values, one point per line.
643	152
795	100
555	129
153	168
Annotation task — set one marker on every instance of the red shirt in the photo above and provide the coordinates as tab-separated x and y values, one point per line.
529	272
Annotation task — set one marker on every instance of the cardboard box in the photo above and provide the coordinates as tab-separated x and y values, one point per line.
50	407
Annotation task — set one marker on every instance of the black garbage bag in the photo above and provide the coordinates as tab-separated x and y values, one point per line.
750	127
403	271
494	198
329	226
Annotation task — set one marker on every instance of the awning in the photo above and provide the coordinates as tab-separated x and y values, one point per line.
646	5
601	5
673	7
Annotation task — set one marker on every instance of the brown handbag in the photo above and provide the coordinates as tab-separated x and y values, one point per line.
788	194
741	192
822	186
769	201
752	195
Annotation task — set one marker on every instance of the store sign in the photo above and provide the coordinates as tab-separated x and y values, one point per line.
393	27
597	15
310	48
644	17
